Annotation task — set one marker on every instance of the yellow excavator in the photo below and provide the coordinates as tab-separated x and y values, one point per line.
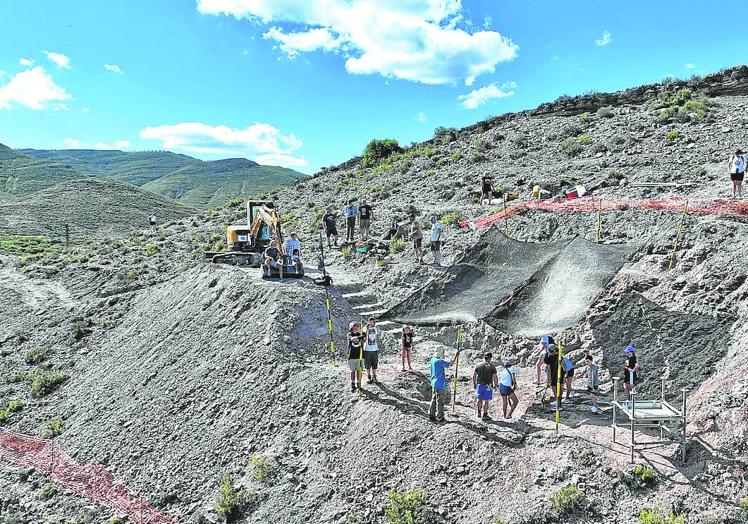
246	243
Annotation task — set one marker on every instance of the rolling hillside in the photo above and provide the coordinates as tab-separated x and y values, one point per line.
21	175
212	184
91	207
136	168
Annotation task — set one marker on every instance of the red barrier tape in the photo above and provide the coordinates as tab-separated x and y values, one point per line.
91	481
589	204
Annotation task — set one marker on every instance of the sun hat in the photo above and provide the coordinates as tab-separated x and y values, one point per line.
630	349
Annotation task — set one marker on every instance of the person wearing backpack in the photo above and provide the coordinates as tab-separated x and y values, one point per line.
507	388
736	166
568	372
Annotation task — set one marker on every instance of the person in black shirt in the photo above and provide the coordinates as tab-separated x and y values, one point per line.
486	189
355	349
554	379
485	380
630	370
406	346
329	222
271	258
364	219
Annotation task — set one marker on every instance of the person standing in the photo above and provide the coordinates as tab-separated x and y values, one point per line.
436	240
350	211
355	353
736	166
568	371
152	220
507	388
486	194
438	367
591	371
365	217
371	351
416	235
485	380
330	224
541	351
630	370
555	374
406	346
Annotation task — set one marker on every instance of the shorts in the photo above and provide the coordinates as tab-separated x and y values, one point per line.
354	364
484	392
364	223
371	359
737	177
417	242
332	231
569	374
435	245
505	391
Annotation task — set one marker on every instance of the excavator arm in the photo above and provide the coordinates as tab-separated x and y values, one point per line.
267	216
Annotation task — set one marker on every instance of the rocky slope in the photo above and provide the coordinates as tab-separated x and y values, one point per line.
177	372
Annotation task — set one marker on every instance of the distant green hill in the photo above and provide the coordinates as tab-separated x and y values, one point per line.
91	207
21	175
212	184
133	167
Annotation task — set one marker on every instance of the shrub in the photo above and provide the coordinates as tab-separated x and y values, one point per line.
743	503
584	139
451	218
114	519
445	135
4	415
480	145
15	405
674	135
585	117
48	491
285	218
455	157
231	501
346	251
378	150
696	109
263	468
571	147
52	429
79	329
660	516
130	274
45	382
397	245
407	507
567	499
150	250
645	474
571	130
235	202
605	112
35	355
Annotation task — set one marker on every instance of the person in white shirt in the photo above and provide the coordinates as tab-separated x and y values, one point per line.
507	386
736	165
436	240
371	351
293	250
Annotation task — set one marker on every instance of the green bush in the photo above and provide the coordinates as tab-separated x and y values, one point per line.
35	355
45	382
455	157
15	405
397	245
150	250
4	415
445	135
346	251
674	135
571	147
697	109
645	474
451	218
585	117
378	150
52	429
660	516
481	145
567	499
231	501
114	519
263	468
286	218
47	491
27	245
743	503
235	202
130	274
583	139
407	507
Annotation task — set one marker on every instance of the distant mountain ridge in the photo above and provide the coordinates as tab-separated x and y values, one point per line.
194	182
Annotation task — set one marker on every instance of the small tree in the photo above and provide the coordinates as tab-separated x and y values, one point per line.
378	150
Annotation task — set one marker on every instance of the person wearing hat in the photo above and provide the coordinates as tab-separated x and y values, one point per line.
630	370
736	166
485	380
507	387
355	354
438	366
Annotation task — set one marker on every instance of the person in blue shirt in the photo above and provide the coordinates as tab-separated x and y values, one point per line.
438	367
350	211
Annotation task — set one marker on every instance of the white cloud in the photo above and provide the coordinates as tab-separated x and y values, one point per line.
74	143
35	89
606	39
421	117
62	61
26	62
114	68
478	97
261	142
690	66
416	40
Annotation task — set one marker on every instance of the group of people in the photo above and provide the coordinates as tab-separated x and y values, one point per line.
272	257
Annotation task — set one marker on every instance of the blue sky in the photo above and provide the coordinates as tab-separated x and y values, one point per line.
308	83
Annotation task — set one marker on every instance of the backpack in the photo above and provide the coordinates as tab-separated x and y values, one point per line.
566	362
